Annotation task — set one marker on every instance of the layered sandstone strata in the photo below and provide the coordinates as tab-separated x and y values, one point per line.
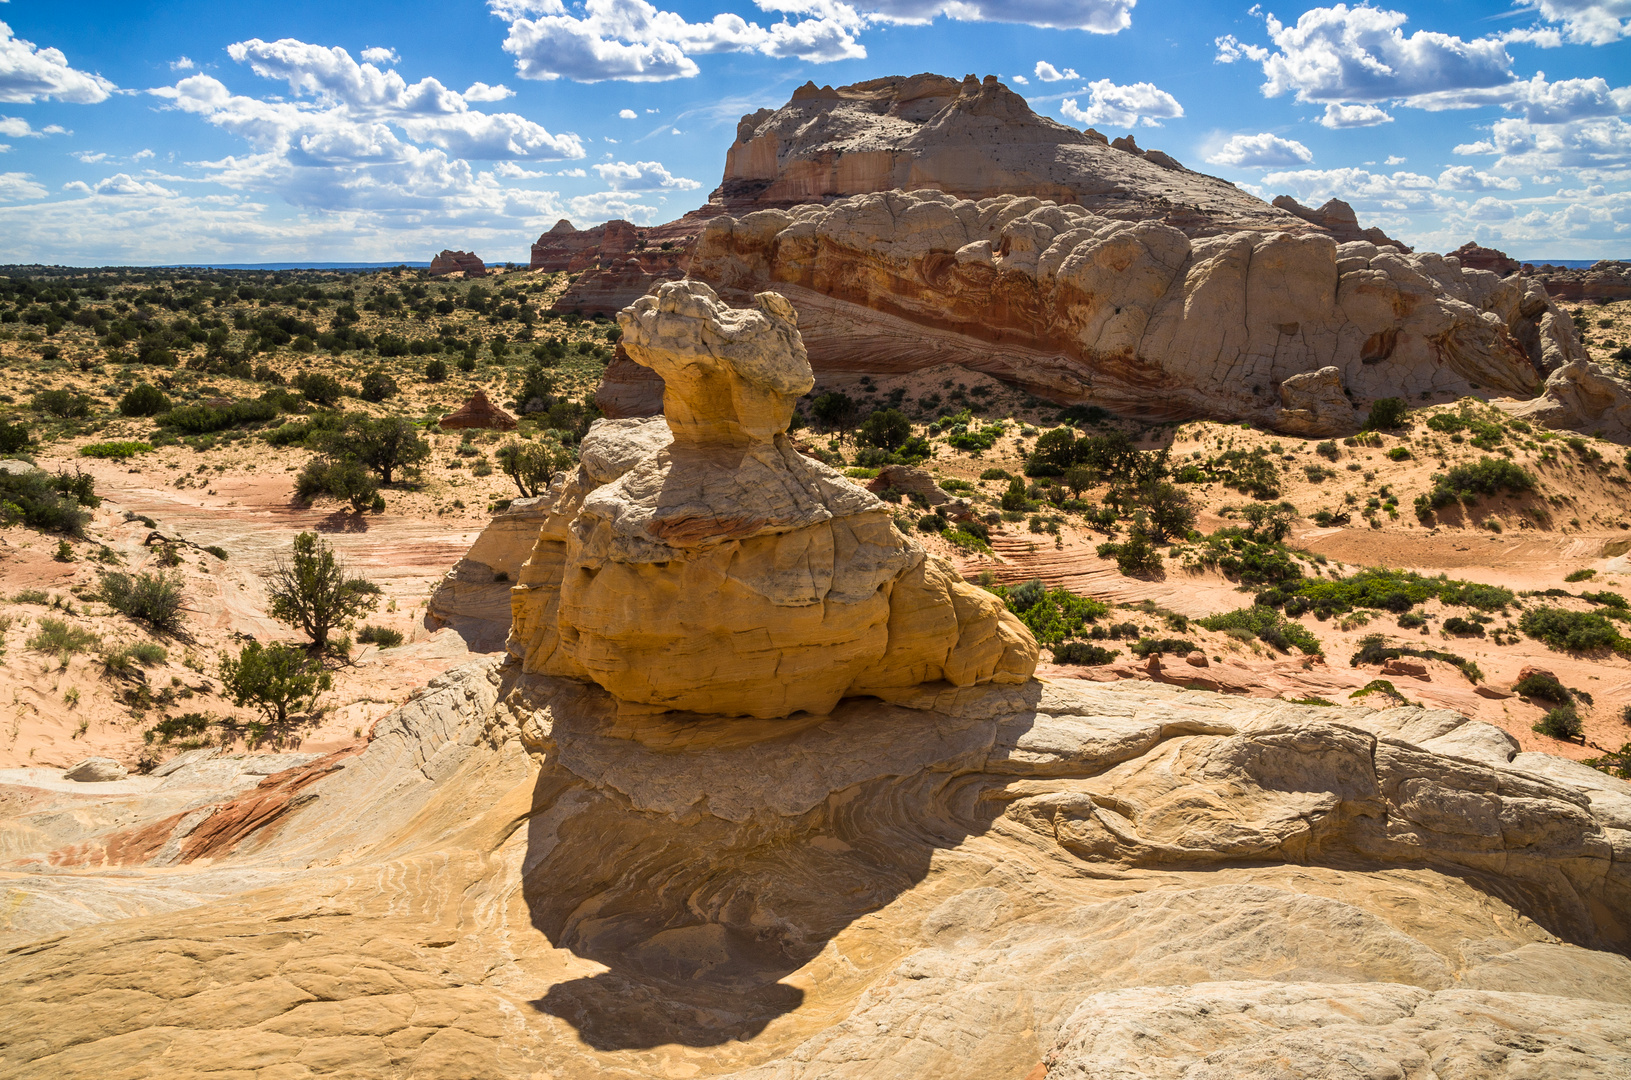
696	561
1136	315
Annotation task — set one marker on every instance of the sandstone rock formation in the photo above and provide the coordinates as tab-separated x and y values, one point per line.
698	562
617	261
1605	280
1473	257
1580	396
1126	880
478	412
1314	404
627	389
449	262
474	597
973	139
96	770
1136	316
1338	218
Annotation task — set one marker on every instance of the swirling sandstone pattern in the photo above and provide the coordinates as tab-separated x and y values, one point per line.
698	562
1122	880
1136	315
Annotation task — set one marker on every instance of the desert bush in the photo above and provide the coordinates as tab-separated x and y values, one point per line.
887	429
144	399
1374	649
1327	449
1541	685
63	404
530	465
386	445
832	409
1146	646
382	636
336	478
49	503
277	680
1385	414
1562	722
1267	625
1486	476
1460	627
205	419
13	437
1581	575
376	386
186	726
1083	652
319	389
1572	631
1135	557
1052	615
436	371
119	450
152	599
313	592
61	638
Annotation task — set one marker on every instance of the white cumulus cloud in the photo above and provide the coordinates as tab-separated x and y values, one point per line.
641	176
1264	151
480	91
18	186
1354	116
28	72
627	114
1123	106
1094	16
1588	22
1048	73
182	63
378	54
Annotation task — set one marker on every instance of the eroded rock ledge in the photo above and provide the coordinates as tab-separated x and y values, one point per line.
1135	315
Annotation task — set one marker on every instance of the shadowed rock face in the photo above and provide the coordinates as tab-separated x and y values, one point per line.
696	561
1137	316
516	877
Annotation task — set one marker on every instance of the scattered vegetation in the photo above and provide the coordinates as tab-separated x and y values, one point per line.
154	599
313	592
277	680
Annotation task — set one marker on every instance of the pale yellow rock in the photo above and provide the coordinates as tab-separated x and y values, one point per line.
697	562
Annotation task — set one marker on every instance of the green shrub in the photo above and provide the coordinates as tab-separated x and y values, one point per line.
376	386
1562	722
62	404
1269	626
1379	686
887	429
1411	621
1052	615
144	399
49	503
996	474
61	638
1541	685
1581	575
343	478
1486	476
1162	647
1385	414
205	419
1083	652
1374	649
319	389
1135	557
152	599
1398	453
119	451
384	637
314	592
1328	449
1572	631
145	653
278	680
1615	762
186	726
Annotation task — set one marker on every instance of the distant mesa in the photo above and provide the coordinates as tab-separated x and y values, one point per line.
452	262
1603	281
479	412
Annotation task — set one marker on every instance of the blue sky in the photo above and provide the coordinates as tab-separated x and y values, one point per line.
248	132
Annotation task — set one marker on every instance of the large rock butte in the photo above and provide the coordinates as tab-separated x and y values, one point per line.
697	562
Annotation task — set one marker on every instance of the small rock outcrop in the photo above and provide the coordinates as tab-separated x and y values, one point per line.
1314	404
1606	280
1473	257
465	262
94	770
697	562
1137	316
478	412
474	597
1337	218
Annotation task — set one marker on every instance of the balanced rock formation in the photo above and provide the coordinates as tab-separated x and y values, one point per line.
478	412
697	562
1134	315
449	262
1123	880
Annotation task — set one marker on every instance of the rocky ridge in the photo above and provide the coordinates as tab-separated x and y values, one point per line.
1137	315
466	262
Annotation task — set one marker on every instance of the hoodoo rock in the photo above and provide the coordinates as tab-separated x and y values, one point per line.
449	262
1138	316
478	412
697	562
